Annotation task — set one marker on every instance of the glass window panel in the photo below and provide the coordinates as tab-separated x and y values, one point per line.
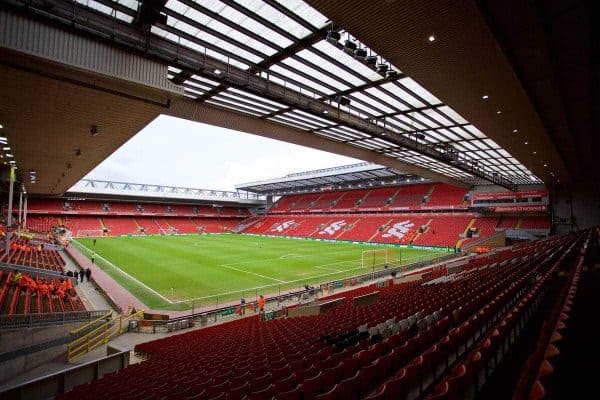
241	105
221	44
422	118
232	107
295	120
461	133
373	103
304	119
275	16
413	125
342	74
366	109
284	122
333	51
453	114
391	101
274	103
438	117
231	97
197	85
491	143
315	74
193	91
322	120
419	90
394	88
309	14
312	84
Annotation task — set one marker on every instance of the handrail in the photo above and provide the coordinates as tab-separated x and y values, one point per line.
51	385
45	273
84	327
45	319
100	335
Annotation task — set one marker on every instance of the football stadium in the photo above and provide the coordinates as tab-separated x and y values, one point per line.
299	199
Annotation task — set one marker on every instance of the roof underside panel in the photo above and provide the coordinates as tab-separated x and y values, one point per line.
285	43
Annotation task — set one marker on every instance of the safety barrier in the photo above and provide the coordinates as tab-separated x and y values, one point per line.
102	334
46	319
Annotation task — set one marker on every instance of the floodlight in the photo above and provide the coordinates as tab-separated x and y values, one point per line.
382	67
371	60
333	37
360	54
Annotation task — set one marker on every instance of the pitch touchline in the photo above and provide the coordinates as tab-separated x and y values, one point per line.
126	274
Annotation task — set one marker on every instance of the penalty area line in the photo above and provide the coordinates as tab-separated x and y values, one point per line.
253	273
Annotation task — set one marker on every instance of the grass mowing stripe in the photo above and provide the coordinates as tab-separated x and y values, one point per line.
193	265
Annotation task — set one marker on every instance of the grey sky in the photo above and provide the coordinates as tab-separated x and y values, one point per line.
172	151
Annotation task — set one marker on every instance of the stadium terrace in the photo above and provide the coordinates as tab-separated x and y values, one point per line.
456	256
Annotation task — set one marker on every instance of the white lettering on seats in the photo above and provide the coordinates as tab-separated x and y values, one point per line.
283	226
399	229
333	228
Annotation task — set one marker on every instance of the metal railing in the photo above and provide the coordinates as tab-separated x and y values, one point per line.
101	335
46	319
275	301
50	386
38	272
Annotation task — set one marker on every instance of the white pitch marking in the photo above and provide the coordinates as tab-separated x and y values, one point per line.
253	273
127	275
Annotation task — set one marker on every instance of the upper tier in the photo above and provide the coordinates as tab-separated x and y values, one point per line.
438	196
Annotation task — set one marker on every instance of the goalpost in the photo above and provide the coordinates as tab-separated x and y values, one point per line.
89	233
377	259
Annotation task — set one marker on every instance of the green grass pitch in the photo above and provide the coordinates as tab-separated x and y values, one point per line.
167	272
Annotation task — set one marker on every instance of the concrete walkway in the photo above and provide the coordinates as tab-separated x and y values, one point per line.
91	297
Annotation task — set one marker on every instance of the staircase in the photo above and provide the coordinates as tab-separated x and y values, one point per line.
419	233
247	223
139	227
104	228
464	234
362	199
352	225
429	193
378	231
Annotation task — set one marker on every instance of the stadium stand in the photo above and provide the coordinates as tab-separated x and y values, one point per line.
446	196
539	222
125	218
377	199
349	201
325	201
410	197
22	253
416	335
26	295
507	222
121	225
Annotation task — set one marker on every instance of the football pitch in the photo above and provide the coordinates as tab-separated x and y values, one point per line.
174	272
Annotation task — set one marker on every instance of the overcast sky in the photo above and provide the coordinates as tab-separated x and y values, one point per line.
172	151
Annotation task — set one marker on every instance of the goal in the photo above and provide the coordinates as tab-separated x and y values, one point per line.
377	259
89	233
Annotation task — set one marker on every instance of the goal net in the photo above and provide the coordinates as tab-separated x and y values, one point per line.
89	233
377	259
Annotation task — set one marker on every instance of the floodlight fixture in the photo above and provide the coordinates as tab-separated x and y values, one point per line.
350	46
333	37
382	67
371	60
360	54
